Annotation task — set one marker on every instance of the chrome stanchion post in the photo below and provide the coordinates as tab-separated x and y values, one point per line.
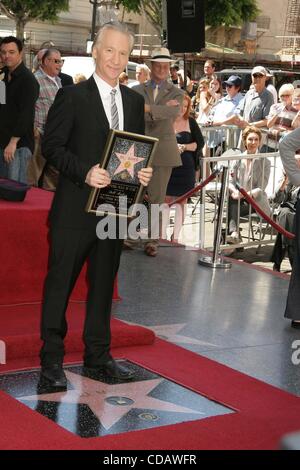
217	261
202	208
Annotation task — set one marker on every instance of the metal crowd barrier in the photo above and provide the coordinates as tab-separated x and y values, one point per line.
209	199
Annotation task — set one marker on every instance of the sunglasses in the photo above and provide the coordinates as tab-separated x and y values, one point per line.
257	75
285	96
57	61
228	86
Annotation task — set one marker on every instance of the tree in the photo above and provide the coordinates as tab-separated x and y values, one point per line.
217	12
23	11
151	8
229	13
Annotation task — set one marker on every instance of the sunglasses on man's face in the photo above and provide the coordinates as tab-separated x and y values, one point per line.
228	86
57	61
257	75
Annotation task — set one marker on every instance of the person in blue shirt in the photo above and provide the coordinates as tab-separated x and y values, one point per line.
221	114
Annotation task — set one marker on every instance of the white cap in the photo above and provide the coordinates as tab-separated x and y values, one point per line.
261	70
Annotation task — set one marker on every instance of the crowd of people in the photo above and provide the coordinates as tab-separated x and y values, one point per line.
50	139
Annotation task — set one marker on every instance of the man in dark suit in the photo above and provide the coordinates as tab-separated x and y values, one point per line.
287	148
75	135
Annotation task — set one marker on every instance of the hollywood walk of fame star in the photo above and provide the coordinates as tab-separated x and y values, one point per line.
170	333
127	161
95	394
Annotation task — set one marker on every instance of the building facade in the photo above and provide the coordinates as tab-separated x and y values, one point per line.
272	36
71	33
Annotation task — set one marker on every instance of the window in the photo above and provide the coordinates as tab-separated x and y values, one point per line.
263	22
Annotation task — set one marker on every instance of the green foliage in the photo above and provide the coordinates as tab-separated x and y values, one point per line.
26	10
151	8
130	5
217	12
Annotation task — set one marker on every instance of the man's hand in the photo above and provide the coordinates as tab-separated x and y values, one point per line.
181	148
172	103
242	123
97	177
145	175
9	151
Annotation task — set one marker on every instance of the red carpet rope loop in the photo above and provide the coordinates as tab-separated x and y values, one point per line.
263	214
195	189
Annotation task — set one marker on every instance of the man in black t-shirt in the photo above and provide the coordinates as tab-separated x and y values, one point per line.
17	114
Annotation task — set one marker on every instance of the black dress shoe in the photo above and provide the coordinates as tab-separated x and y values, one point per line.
54	375
295	324
111	369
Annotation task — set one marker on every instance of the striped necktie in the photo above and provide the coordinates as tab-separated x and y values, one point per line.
155	92
114	110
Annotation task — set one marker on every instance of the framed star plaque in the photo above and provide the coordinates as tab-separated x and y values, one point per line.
125	154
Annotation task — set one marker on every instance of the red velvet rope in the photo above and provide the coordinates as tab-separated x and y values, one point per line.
195	189
263	214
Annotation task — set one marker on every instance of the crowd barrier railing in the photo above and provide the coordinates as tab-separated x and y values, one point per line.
209	205
265	216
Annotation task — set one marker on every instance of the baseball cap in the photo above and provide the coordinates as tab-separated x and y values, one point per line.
233	80
261	70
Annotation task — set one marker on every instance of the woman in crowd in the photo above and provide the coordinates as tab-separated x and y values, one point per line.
281	116
79	77
296	106
204	101
215	89
123	78
253	175
190	143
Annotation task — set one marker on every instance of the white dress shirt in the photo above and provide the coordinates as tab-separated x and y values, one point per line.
104	90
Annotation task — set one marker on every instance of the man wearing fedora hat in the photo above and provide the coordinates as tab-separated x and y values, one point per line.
162	105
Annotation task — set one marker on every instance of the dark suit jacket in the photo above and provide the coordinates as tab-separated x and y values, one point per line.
66	79
75	135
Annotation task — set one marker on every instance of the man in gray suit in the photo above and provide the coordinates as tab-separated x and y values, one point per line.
162	105
287	148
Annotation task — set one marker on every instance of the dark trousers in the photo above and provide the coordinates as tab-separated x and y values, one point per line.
280	250
69	250
292	310
283	245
